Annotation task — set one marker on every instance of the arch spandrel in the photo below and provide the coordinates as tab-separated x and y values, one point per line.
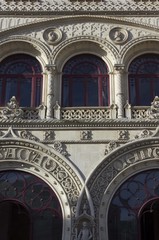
45	163
116	168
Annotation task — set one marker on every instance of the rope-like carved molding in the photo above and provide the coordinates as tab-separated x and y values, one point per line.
104	124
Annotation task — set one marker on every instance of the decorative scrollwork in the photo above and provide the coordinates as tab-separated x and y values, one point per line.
28	135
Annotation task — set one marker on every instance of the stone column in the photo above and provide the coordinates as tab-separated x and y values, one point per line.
119	91
51	72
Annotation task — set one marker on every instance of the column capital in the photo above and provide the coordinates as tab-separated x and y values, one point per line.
119	67
51	68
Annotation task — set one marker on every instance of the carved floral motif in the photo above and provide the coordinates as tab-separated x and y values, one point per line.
28	135
123	135
86	135
143	134
110	147
154	109
61	148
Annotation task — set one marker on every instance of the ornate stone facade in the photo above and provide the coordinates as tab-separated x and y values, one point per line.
83	153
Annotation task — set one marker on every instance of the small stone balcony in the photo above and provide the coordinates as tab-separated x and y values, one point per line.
13	111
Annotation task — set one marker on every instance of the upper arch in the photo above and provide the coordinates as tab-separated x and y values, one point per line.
139	46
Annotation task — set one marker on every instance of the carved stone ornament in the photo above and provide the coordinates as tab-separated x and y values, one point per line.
118	35
143	134
28	135
84	226
110	147
49	135
61	148
12	111
86	135
52	36
123	135
154	109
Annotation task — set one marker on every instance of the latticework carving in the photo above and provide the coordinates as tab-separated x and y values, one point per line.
138	113
92	114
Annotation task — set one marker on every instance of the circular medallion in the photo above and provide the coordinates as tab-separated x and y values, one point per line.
52	36
118	35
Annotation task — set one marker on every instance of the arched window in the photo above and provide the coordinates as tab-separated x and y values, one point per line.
134	209
85	82
144	79
20	76
29	209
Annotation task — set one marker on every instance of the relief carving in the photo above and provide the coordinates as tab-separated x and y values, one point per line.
61	148
49	135
143	134
123	135
110	147
52	36
154	109
12	111
86	135
118	35
84	226
28	135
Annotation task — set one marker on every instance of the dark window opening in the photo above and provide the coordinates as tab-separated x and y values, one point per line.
144	79
149	221
20	76
85	82
127	218
29	209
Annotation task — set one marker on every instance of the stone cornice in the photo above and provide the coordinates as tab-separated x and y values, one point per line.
80	17
80	124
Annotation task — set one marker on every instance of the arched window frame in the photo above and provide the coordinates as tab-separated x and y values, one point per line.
39	200
143	79
72	77
128	202
22	74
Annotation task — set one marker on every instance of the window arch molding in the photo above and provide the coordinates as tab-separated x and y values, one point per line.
60	174
24	192
114	170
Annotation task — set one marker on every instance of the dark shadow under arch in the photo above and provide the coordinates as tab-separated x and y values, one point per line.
149	221
15	221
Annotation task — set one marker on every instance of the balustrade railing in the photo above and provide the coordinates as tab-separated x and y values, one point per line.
86	113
